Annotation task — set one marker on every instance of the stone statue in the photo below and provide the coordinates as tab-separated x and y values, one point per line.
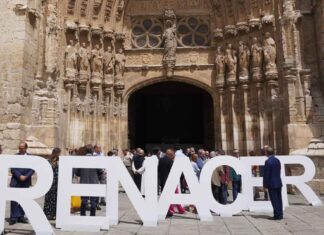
220	61
244	60
120	61
108	59
220	66
270	53
256	50
70	60
231	63
170	41
97	63
84	58
256	62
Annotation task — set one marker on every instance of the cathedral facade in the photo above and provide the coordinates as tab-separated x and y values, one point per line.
101	71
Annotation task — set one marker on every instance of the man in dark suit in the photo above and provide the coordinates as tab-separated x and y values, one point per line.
21	178
165	165
272	182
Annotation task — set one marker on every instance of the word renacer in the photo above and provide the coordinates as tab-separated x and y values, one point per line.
151	208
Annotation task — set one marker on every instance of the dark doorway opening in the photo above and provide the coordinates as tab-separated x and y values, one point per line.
171	113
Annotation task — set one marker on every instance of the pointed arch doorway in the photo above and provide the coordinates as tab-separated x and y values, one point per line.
171	113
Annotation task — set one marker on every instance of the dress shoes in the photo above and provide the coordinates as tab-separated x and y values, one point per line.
12	222
23	221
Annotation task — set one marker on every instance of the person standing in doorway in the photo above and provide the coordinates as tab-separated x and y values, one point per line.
272	182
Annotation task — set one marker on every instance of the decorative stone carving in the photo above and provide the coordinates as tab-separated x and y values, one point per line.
244	61
270	53
84	65
256	63
170	42
70	62
120	61
71	5
83	8
108	9
97	67
220	67
120	9
51	39
231	64
108	59
96	8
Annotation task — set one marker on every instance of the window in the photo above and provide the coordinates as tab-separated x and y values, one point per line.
147	33
191	32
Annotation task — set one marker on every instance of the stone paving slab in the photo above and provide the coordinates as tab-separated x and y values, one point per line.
299	219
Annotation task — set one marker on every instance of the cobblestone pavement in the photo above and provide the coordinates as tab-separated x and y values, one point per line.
299	218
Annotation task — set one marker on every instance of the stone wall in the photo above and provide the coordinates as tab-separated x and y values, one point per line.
18	61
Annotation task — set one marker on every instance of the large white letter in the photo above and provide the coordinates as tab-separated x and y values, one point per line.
205	181
249	182
196	196
301	180
66	189
25	196
146	208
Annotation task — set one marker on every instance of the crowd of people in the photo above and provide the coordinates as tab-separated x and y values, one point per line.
223	179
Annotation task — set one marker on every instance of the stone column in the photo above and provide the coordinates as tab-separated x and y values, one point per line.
222	120
248	139
235	129
260	140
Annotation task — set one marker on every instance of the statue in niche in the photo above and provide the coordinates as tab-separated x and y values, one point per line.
231	63
220	66
108	59
270	53
70	60
244	60
120	61
84	58
170	41
97	63
256	63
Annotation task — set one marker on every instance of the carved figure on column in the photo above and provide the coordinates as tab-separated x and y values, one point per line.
270	53
52	29
231	63
170	42
220	67
108	59
256	63
70	61
97	67
84	65
244	61
120	61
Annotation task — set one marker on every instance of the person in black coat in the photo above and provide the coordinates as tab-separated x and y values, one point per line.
89	176
138	160
272	182
21	178
164	168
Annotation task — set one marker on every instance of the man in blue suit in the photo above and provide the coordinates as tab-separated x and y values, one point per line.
272	182
21	178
